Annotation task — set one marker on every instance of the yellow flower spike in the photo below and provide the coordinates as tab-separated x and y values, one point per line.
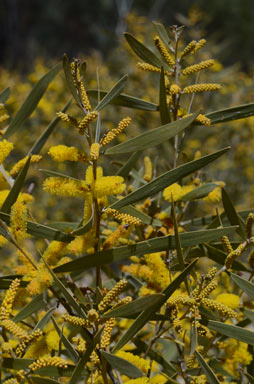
159	268
141	363
151	68
197	67
20	164
61	153
177	326
6	307
26	341
18	220
87	207
66	187
181	299
5	148
95	151
201	379
226	244
107	332
113	237
54	251
200	44
84	97
110	135
249	224
229	299
195	88
92	315
175	89
214	196
189	48
234	254
75	320
211	274
251	259
207	290
202	119
221	308
174	190
112	295
148	169
11	381
109	185
141	380
48	362
75	71
67	119
83	124
125	217
163	51
14	329
80	344
4	117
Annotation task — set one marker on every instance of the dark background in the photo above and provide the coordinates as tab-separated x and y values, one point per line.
31	28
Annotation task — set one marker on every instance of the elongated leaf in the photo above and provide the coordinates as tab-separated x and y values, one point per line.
80	366
4	95
199	192
162	32
164	111
17	186
127	167
69	79
64	225
146	315
210	375
72	302
233	331
233	113
126	101
31	102
177	238
249	377
45	319
70	350
114	92
232	215
249	314
42	380
42	231
38	145
158	244
131	210
152	137
134	307
84	228
145	53
245	285
167	179
36	304
49	173
122	366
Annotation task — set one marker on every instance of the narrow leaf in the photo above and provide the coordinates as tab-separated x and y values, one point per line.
146	315
38	145
233	113
45	319
49	173
145	53
199	192
4	95
42	231
127	101
210	375
232	215
85	228
71	351
233	331
245	285
31	102
127	167
14	192
34	305
158	244
162	32
122	366
167	179
114	92
249	314
134	307
164	111
152	137
42	380
249	377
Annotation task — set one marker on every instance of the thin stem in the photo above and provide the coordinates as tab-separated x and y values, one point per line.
8	178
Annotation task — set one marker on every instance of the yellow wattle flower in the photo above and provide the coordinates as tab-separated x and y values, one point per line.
66	187
229	299
20	164
62	153
5	148
108	185
18	220
174	191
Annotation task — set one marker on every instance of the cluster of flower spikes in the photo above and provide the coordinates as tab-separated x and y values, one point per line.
173	69
233	254
94	320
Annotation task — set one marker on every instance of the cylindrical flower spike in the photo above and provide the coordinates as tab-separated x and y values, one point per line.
151	68
163	51
148	169
26	341
197	67
83	124
110	135
84	97
107	332
75	320
234	254
226	244
175	89
112	295
125	217
61	153
195	88
200	44
48	362
221	308
20	164
249	224
5	148
113	237
67	118
14	329
189	48
6	307
95	151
